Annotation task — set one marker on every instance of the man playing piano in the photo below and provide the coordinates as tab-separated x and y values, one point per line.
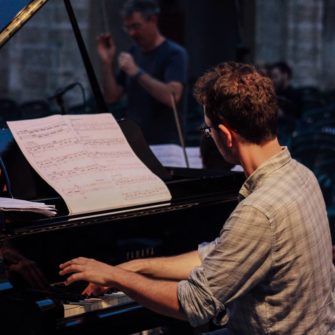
151	72
270	269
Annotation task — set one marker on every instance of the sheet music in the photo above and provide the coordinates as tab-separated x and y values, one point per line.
194	157
88	161
237	168
172	155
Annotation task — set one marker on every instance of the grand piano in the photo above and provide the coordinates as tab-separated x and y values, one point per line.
33	299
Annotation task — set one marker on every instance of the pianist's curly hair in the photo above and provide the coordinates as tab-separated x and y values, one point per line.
237	95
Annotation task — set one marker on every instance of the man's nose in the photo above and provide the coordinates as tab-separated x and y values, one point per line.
132	32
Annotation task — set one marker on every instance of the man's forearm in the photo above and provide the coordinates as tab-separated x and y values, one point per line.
112	90
159	296
159	90
171	268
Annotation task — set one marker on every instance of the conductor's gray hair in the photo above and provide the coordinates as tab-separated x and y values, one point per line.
147	8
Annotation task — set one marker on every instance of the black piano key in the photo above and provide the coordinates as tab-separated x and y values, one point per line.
70	293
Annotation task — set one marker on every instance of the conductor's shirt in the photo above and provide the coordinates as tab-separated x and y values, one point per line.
168	62
270	271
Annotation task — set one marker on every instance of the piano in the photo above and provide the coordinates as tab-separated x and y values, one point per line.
33	299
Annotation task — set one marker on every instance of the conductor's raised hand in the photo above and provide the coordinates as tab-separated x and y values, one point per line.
87	269
106	48
127	64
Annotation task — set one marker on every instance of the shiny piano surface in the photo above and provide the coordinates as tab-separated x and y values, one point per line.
201	201
200	204
199	207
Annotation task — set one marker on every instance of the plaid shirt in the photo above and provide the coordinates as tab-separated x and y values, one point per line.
270	271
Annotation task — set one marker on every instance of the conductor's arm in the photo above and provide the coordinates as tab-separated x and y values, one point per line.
106	49
160	90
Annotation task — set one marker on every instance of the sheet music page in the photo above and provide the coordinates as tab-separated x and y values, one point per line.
194	157
87	160
172	155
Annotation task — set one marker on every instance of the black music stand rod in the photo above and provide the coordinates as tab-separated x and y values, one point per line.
179	128
87	63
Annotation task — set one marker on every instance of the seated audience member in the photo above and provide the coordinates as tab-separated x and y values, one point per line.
288	101
263	68
288	97
270	270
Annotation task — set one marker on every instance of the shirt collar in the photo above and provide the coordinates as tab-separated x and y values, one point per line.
269	166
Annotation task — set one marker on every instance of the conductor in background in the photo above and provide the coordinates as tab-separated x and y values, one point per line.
151	73
270	269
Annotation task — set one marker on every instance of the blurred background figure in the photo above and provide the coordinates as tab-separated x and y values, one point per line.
288	100
152	73
263	68
288	96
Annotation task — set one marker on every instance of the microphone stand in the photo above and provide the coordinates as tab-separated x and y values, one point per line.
179	129
60	102
58	96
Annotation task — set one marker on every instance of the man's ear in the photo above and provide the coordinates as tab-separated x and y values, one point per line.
227	134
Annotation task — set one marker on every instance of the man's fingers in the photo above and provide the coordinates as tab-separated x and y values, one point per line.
124	57
121	59
93	290
87	291
71	268
73	278
75	261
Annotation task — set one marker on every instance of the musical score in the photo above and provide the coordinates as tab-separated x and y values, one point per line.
88	161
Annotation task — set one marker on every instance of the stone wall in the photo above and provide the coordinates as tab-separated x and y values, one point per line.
328	55
304	40
270	30
300	32
43	56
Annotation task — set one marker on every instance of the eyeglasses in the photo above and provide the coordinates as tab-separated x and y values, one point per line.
132	27
206	131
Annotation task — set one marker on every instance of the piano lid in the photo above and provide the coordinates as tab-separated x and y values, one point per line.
14	14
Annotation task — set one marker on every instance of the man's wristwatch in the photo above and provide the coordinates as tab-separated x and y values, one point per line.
138	73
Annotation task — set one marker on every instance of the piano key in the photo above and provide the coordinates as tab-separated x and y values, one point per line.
93	304
67	293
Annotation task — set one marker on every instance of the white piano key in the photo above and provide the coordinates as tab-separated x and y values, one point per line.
93	304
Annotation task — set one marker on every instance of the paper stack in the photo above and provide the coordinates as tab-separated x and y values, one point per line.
17	205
